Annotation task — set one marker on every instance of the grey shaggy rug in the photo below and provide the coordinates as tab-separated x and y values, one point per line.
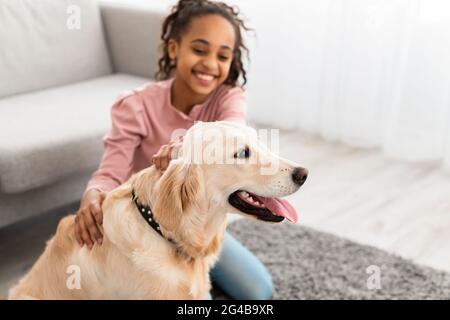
308	264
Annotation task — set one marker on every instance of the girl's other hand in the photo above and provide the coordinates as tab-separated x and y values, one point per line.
89	218
166	153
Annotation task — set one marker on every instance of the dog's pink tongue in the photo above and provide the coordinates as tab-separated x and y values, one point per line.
281	208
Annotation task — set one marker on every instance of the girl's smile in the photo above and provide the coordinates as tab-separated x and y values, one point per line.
204	78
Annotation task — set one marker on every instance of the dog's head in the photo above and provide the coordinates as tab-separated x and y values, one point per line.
223	167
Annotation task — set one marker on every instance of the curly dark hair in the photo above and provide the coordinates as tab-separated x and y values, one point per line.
178	22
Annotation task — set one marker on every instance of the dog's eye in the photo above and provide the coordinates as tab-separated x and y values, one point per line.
243	154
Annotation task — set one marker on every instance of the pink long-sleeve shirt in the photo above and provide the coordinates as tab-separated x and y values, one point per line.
144	119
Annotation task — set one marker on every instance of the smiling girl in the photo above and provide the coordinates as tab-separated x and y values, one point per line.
197	81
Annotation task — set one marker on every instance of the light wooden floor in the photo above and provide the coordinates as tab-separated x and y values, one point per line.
397	206
358	194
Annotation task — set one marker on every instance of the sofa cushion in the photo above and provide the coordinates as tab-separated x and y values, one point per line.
42	38
133	27
50	134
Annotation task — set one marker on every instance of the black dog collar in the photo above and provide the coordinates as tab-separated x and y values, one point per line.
147	214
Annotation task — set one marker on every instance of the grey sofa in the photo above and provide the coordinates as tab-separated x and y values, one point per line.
57	85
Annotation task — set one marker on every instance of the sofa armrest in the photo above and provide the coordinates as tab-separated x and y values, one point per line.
132	35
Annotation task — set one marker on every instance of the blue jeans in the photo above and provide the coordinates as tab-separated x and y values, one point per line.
240	274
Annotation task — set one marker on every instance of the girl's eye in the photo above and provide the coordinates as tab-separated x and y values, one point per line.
243	154
198	51
223	58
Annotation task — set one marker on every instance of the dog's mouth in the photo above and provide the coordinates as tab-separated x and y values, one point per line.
263	208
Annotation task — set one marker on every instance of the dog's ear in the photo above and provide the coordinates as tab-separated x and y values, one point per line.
178	189
190	188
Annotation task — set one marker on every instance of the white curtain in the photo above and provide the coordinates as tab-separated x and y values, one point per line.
370	73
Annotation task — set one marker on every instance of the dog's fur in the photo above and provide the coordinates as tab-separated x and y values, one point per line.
189	201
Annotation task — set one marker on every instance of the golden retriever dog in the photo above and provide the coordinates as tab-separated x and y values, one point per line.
221	168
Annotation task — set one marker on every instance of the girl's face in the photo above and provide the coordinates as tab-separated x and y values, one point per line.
204	54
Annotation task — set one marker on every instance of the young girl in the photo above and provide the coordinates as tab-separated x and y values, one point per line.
202	46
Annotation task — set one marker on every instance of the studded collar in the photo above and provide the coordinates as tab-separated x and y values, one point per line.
147	214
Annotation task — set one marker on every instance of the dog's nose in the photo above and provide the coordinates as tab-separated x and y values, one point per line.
299	175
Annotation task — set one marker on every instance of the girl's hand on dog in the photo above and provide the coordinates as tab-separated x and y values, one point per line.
166	153
89	218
